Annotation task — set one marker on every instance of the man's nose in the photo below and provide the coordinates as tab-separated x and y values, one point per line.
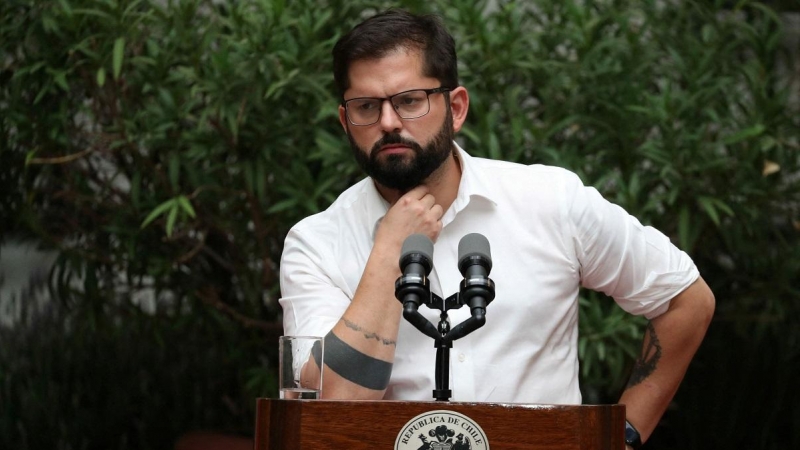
390	121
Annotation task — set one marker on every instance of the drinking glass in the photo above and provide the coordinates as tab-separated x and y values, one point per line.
300	365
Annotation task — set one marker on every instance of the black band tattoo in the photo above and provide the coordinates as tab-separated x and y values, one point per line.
647	362
352	365
368	335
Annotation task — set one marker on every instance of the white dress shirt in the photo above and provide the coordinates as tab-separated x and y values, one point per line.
549	235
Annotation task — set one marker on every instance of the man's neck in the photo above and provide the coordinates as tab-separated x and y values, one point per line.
442	184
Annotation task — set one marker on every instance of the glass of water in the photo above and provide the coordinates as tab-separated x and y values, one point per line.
301	361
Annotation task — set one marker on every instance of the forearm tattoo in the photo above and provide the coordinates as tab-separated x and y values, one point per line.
352	365
368	335
647	362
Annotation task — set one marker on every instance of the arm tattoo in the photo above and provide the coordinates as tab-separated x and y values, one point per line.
647	362
368	335
352	365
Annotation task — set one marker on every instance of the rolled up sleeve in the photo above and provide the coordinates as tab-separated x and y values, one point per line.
312	300
637	265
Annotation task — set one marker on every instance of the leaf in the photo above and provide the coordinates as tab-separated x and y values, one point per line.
770	167
708	32
707	204
42	92
49	24
92	12
160	209
173	215
61	80
711	205
66	7
29	156
117	56
582	348
101	76
186	205
281	83
745	134
282	205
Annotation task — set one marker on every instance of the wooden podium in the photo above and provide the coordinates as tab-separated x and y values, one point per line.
380	425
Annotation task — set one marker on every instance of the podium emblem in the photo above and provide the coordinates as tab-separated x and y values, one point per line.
441	430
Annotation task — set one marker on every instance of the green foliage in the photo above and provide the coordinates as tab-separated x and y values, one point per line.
165	148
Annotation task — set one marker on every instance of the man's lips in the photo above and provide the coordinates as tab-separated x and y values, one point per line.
394	148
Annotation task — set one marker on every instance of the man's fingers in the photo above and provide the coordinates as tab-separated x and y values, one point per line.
428	200
437	211
418	192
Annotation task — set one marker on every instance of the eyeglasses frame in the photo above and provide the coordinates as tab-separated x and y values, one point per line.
428	92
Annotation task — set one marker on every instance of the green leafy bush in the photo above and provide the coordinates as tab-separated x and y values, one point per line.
165	148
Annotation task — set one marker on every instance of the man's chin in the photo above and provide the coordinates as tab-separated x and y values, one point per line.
390	159
397	181
400	151
395	163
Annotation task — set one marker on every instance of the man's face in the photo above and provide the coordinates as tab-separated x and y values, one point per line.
398	153
403	171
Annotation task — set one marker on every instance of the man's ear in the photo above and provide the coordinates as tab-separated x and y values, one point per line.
459	105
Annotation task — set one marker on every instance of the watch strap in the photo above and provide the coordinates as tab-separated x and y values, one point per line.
632	437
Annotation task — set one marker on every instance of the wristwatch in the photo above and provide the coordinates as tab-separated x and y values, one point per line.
632	437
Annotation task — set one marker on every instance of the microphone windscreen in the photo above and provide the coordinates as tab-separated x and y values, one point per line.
417	243
474	244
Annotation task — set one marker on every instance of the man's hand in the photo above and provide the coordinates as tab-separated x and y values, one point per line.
414	212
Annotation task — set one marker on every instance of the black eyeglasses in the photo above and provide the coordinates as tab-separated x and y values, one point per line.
411	104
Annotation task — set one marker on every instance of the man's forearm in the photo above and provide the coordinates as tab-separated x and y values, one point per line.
364	340
670	342
359	350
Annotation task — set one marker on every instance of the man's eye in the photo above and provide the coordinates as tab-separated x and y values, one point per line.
367	106
408	101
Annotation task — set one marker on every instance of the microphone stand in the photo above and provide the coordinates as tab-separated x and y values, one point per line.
413	290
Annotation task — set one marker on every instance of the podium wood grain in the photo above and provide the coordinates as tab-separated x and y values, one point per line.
374	425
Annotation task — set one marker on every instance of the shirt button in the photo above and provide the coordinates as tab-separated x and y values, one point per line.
462	357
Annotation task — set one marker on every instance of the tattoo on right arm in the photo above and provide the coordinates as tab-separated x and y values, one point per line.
352	365
368	335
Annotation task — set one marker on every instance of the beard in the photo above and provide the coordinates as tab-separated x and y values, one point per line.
404	172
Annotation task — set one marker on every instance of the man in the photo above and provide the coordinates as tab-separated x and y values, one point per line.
550	235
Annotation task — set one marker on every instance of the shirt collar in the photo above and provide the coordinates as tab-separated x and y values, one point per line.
473	185
473	181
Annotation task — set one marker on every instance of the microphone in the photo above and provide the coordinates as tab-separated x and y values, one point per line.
474	258
416	255
476	289
415	262
413	288
475	263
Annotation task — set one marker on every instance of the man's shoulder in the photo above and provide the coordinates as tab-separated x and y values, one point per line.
353	204
500	171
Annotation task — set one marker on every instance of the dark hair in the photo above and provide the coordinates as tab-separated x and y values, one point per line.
393	29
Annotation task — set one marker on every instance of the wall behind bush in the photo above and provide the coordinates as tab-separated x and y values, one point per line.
165	148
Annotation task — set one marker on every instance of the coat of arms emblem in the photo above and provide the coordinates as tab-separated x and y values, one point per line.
441	430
